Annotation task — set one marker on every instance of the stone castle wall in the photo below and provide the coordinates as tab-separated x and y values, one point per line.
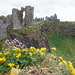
52	19
16	19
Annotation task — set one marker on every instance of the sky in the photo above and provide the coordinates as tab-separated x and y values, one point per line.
65	9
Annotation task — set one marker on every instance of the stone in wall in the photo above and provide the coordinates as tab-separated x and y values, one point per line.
47	19
3	26
16	19
8	20
28	20
21	14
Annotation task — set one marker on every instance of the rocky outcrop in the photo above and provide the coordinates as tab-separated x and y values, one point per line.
61	28
30	37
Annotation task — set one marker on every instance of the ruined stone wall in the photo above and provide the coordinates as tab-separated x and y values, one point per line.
3	33
52	18
8	20
16	19
28	20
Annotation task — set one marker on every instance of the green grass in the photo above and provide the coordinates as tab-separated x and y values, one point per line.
65	47
36	22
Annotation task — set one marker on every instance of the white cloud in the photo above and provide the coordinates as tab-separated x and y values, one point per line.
65	9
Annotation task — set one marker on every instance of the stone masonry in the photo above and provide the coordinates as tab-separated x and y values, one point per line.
52	19
16	19
8	20
28	20
3	33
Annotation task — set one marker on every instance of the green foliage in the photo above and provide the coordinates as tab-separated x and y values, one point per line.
65	46
14	55
36	22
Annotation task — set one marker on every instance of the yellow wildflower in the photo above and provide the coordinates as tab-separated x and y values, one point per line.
60	63
1	59
0	53
73	71
40	50
26	50
11	64
37	50
70	65
7	53
31	47
30	53
43	48
34	52
12	73
6	49
19	55
15	49
23	50
61	58
17	67
65	62
42	53
4	58
53	48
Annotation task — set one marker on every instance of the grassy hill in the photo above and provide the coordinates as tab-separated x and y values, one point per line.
65	47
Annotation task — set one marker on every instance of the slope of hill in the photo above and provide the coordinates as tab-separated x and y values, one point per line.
65	47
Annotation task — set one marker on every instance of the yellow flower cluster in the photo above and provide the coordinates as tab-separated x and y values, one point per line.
15	48
7	53
0	53
2	59
52	56
11	65
34	50
53	48
26	49
19	55
30	53
68	65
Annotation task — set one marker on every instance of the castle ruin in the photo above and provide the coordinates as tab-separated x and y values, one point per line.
16	19
52	19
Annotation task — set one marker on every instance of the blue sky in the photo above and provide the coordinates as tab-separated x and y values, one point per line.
65	9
